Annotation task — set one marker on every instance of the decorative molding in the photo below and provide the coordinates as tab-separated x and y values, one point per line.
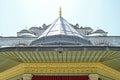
60	68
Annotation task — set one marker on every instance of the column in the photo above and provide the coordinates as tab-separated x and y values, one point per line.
93	77
27	76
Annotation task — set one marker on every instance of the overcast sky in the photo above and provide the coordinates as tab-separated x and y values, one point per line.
16	15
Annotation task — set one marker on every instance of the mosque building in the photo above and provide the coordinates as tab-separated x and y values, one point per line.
60	51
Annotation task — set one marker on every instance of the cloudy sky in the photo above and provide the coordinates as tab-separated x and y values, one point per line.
16	15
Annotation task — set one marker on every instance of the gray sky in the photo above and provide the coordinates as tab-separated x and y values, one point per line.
16	15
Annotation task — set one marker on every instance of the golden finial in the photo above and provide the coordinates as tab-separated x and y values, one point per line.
60	12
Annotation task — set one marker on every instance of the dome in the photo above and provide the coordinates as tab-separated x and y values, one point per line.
33	28
88	28
96	34
60	32
27	35
24	31
99	31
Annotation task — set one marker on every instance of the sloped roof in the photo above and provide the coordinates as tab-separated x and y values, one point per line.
60	27
108	55
60	32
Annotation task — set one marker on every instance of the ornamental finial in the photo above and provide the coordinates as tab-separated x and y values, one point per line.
60	12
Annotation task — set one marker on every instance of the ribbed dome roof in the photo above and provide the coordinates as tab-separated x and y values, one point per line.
60	32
